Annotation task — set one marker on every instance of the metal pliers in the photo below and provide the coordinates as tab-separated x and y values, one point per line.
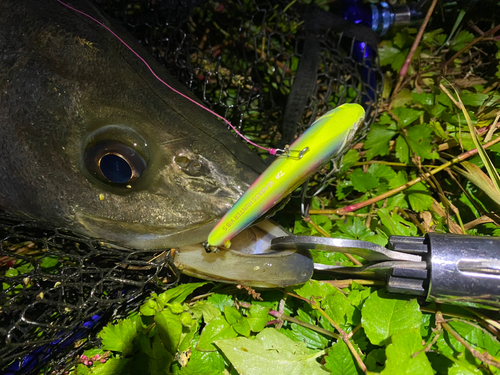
445	268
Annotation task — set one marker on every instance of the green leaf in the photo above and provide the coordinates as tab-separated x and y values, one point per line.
175	308
113	366
361	340
419	197
402	150
440	39
358	296
462	368
403	97
462	38
315	289
81	369
170	330
217	329
49	262
400	179
362	181
220	301
395	224
339	308
444	99
476	100
160	359
188	334
119	337
258	317
340	360
237	321
333	259
465	139
206	310
473	336
403	39
400	355
271	352
178	294
145	344
438	129
349	159
426	326
377	140
384	316
299	333
388	53
344	188
25	268
431	35
11	272
440	363
206	363
375	360
407	115
382	171
148	308
423	98
398	200
355	229
420	139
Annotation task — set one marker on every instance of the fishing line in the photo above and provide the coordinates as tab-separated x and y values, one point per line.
272	151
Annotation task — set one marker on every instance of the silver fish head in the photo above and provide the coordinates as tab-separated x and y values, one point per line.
90	140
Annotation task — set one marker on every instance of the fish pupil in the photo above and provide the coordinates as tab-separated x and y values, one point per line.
115	169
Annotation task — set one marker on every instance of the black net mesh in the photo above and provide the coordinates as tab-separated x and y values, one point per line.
271	68
242	59
59	288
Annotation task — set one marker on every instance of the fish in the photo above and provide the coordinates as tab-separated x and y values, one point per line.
92	142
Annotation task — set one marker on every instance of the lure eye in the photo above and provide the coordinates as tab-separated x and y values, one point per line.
116	158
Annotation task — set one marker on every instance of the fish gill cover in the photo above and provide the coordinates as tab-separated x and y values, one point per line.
243	60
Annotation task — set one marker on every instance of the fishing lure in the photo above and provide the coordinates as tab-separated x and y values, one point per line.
326	138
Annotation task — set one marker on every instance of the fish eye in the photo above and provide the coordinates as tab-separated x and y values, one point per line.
115	168
115	156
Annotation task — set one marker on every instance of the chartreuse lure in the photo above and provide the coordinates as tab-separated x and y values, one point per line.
326	138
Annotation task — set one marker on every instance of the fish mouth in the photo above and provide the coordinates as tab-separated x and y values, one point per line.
144	236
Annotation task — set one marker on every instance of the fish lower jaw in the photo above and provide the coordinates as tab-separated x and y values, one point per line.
144	236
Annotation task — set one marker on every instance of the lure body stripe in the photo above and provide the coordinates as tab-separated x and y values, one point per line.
327	137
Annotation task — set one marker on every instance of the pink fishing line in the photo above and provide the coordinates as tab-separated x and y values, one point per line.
272	151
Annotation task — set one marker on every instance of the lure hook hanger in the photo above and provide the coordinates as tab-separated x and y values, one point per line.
288	153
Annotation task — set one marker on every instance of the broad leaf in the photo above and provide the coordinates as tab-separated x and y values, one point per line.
377	140
402	355
362	181
340	360
271	352
407	115
217	329
384	316
119	337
